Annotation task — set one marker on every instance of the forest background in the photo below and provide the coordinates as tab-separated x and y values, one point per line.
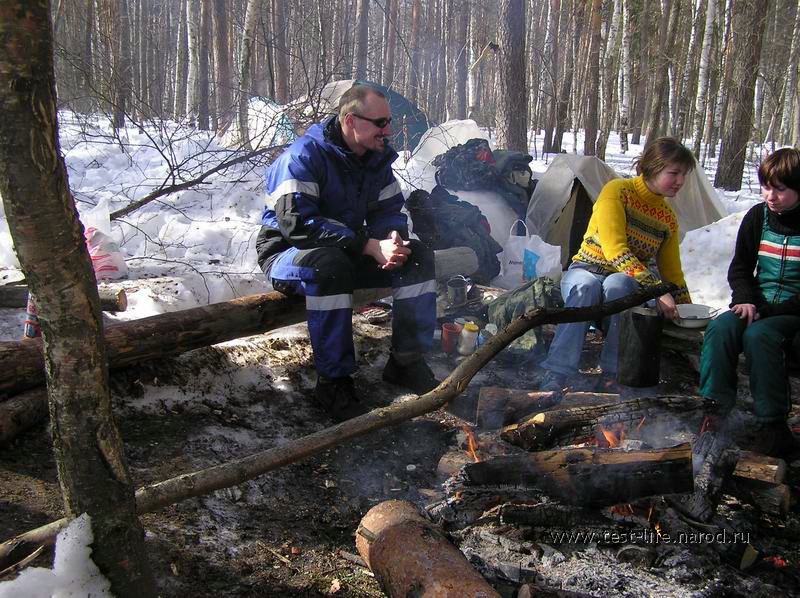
702	70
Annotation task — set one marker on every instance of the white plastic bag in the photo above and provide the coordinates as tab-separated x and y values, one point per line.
511	257
107	259
540	259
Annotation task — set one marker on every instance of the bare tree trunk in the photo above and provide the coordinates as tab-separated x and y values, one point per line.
566	92
655	126
459	30
702	77
121	49
512	105
610	67
222	60
202	66
593	89
726	68
687	89
49	242
414	66
195	43
749	20
252	11
362	39
627	76
640	99
281	58
390	44
182	76
551	45
791	82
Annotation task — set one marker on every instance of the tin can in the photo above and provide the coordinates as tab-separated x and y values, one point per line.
31	328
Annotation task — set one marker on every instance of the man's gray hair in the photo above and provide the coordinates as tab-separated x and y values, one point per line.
353	100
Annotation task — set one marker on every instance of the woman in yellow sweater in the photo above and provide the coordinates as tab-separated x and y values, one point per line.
631	224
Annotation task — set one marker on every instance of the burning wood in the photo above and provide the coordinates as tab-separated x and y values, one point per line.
472	444
590	476
565	423
499	407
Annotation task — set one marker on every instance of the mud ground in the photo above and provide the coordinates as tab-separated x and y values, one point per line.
289	532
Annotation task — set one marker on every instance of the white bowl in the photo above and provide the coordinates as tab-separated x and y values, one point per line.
694	315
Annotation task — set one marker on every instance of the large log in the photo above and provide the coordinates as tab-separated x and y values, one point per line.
591	476
111	298
411	557
224	475
498	406
566	424
22	363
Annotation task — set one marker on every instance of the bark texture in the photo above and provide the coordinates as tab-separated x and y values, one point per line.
512	104
49	241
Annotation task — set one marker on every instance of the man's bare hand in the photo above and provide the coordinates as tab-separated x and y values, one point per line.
746	311
390	253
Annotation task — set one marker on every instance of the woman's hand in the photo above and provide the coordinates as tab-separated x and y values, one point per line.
746	311
666	305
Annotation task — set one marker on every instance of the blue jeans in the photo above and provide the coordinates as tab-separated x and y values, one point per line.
582	288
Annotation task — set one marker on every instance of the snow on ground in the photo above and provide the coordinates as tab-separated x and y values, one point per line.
197	246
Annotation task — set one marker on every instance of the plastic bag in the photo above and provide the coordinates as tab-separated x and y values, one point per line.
540	259
511	257
107	259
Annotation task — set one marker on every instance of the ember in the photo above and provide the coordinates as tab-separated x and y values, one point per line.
613	437
776	561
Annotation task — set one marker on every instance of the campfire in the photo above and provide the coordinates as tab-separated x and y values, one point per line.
639	479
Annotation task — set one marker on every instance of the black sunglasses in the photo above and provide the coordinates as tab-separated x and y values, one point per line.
381	123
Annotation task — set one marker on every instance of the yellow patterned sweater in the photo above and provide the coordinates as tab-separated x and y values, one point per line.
629	226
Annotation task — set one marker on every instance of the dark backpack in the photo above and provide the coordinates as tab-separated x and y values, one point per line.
442	221
467	166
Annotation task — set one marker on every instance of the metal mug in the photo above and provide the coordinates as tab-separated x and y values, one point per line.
457	291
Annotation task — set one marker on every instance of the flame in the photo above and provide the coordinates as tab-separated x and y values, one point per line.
641	423
614	438
649	513
706	425
472	444
623	509
657	527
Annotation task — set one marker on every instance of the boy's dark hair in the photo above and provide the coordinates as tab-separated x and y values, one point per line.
781	166
661	153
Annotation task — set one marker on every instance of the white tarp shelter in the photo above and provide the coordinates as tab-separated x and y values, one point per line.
559	209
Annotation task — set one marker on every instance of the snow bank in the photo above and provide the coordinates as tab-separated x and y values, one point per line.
74	574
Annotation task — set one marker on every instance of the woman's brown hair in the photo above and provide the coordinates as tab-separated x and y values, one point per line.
660	154
781	166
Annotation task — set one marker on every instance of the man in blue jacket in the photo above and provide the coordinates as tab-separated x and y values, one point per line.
333	224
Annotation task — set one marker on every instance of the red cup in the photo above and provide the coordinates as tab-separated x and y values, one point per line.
450	332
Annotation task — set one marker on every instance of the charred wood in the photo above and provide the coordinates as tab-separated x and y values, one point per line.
590	476
498	407
411	557
566	424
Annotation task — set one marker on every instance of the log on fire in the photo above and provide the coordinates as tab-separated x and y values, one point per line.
567	424
411	557
111	298
498	407
590	476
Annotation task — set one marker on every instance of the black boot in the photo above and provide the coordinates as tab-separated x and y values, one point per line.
776	440
416	376
339	398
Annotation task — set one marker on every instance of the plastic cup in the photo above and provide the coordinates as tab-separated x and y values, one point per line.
450	334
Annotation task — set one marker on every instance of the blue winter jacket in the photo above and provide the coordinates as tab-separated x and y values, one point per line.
320	194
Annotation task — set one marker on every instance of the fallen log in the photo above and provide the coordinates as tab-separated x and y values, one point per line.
111	299
411	557
22	363
22	412
204	481
772	499
565	424
760	468
590	476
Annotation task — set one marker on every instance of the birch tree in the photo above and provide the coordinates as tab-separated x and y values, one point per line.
702	77
791	83
48	239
